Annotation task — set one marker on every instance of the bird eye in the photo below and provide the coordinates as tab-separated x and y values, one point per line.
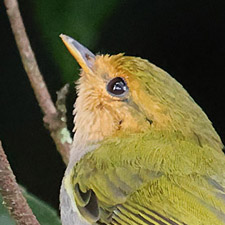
117	87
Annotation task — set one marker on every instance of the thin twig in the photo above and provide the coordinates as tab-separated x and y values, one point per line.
12	196
57	127
61	101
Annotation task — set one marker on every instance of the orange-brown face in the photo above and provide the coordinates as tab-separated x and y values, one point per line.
104	105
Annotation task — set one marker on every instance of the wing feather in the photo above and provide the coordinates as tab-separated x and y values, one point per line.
148	216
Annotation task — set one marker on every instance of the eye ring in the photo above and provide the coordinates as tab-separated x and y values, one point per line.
117	87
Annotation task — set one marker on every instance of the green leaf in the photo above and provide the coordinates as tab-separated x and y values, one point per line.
44	213
81	19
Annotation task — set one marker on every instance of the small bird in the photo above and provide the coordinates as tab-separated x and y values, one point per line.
143	151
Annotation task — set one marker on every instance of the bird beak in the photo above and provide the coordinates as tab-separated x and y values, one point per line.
84	57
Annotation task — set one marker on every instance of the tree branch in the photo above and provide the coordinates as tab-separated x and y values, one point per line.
12	195
52	117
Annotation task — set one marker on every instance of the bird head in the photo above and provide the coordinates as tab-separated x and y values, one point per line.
120	94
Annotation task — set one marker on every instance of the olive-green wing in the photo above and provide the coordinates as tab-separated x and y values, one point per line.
99	192
151	182
160	201
190	200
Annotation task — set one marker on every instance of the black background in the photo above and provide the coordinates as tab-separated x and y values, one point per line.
185	38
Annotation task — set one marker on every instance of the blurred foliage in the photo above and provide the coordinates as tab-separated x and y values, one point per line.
44	213
81	19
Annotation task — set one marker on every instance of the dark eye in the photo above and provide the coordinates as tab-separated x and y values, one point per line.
117	87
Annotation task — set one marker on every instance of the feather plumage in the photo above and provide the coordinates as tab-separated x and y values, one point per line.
150	156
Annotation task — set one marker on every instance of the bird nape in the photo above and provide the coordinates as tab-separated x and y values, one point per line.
143	151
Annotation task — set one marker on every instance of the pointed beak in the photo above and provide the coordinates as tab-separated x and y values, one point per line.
84	57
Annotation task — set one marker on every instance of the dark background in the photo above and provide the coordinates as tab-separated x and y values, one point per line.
186	38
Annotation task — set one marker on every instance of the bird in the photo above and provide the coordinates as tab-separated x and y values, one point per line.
143	151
